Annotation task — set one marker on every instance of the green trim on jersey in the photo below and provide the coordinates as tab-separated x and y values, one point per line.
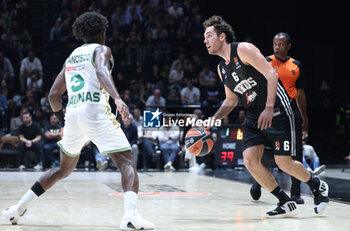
65	152
116	151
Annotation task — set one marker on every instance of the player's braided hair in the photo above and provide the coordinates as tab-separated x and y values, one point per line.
88	25
221	26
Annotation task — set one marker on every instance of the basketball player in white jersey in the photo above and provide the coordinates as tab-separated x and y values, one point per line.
86	75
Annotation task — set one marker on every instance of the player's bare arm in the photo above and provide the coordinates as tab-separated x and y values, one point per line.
229	103
57	90
102	59
251	55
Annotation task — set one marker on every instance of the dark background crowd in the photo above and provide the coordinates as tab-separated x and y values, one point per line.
161	59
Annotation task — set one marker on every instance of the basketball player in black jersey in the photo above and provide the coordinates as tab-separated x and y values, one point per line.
251	81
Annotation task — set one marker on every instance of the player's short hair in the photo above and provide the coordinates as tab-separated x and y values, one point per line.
221	26
88	25
284	34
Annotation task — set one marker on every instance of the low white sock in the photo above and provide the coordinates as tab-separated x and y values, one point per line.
25	200
130	202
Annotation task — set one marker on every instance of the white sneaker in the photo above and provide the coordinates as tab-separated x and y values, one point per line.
321	199
134	221
12	214
288	209
98	164
194	168
104	165
38	167
319	170
169	167
21	167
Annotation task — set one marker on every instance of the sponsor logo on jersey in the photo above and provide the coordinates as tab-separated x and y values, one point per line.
75	68
245	85
84	97
77	83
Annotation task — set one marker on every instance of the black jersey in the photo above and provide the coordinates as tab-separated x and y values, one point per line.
246	82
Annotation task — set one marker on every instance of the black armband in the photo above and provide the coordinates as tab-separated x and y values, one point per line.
60	116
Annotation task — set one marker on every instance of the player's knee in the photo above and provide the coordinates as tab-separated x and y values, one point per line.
284	163
250	161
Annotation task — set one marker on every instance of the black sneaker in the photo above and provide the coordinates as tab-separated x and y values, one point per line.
255	191
321	197
298	199
288	209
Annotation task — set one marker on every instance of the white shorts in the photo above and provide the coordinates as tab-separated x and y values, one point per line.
92	122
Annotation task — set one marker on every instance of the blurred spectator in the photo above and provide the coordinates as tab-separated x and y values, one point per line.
130	131
119	16
137	118
175	77
35	82
241	118
190	95
191	74
122	82
55	32
116	43
175	10
133	50
30	137
133	12
39	118
30	101
3	112
310	155
24	43
156	100
29	64
45	104
205	75
181	59
8	38
212	94
6	71
198	112
52	134
173	98
168	137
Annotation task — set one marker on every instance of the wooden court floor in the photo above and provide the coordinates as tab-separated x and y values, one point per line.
173	201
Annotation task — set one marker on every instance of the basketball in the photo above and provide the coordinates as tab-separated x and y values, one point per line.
198	141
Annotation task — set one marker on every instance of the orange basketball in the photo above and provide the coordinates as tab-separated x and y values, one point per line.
198	141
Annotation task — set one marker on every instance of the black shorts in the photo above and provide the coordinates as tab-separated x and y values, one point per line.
281	136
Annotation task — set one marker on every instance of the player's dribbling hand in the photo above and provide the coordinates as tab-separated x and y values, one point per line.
265	118
122	108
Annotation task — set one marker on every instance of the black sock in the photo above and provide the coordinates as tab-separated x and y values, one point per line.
281	195
314	183
37	189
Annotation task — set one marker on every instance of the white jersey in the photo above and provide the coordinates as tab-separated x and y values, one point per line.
88	116
81	80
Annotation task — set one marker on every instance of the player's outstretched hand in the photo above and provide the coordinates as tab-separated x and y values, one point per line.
265	118
122	108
